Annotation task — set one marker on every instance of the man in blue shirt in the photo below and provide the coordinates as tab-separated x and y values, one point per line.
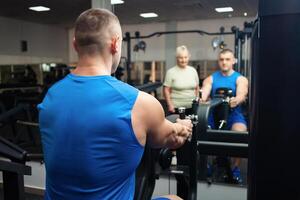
94	127
226	77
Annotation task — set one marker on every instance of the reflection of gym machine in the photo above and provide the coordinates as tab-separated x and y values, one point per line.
13	165
141	45
213	142
221	112
13	171
242	45
206	141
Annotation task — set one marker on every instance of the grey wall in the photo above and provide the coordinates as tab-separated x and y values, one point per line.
46	43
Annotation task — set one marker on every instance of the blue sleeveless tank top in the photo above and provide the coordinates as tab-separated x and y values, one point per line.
90	149
221	81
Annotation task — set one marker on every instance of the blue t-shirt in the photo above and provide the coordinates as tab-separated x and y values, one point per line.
90	149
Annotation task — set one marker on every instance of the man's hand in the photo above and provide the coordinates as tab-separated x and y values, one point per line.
233	102
187	123
183	130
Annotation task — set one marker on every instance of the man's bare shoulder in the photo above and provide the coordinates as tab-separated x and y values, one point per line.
147	104
242	79
146	99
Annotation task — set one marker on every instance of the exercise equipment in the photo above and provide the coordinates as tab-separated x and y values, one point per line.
241	37
14	170
218	42
140	45
221	166
13	167
221	112
274	160
137	36
165	158
207	141
212	142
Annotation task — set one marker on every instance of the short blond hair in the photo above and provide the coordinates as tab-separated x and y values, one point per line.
181	49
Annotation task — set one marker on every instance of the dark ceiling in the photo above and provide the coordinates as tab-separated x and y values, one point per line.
64	12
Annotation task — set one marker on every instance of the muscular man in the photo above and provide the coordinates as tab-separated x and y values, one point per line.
226	77
94	127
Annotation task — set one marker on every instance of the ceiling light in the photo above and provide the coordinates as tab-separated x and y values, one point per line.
148	15
245	14
113	2
39	8
224	9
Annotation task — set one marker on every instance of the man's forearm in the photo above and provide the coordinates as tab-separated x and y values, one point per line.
240	99
204	96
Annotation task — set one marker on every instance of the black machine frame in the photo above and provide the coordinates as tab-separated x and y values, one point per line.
212	142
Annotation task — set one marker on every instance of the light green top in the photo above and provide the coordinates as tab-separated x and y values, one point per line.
183	82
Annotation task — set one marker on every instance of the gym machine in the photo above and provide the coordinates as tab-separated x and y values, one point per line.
13	170
13	165
206	141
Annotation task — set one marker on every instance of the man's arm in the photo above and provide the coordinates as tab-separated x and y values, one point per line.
167	94
148	120
206	89
241	92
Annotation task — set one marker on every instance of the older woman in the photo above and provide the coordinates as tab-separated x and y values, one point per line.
181	84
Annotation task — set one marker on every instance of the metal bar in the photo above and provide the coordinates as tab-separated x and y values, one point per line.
11	151
176	32
5	116
223	149
128	61
27	123
149	87
225	136
13	186
15	167
193	180
19	88
35	156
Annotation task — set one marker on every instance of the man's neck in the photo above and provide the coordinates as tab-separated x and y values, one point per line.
227	73
92	66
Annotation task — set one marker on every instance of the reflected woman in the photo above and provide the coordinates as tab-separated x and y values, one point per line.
181	83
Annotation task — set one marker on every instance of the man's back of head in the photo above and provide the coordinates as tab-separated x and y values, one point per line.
93	30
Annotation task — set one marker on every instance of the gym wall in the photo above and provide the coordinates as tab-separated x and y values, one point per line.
45	43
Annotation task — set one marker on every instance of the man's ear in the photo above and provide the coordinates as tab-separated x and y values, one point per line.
115	42
75	45
234	60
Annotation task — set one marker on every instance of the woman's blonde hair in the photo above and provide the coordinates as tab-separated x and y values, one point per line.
181	49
